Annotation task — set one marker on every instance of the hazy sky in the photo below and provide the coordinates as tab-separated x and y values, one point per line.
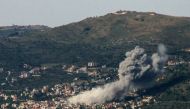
59	12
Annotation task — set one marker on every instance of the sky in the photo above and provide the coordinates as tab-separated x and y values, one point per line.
60	12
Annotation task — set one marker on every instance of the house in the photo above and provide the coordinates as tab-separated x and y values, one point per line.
43	68
92	64
24	74
92	73
14	97
82	70
171	63
71	69
26	66
35	70
147	99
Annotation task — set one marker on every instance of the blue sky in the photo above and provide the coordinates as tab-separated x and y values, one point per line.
59	12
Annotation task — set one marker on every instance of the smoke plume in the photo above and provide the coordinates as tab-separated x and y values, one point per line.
159	59
132	69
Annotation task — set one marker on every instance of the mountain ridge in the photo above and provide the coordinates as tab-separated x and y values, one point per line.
103	39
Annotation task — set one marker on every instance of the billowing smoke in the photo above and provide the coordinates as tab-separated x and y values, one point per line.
132	70
159	59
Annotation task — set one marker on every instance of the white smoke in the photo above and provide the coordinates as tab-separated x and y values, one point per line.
132	68
159	59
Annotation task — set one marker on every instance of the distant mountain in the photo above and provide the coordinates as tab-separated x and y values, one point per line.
16	30
103	39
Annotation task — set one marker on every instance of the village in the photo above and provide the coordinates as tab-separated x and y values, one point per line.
55	96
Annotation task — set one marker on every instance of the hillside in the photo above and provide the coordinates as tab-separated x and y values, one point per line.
101	39
16	30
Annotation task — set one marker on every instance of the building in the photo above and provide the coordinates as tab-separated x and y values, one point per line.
92	64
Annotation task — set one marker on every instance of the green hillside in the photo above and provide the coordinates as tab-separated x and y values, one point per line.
102	39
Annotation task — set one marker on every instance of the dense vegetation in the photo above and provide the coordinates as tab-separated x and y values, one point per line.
173	93
102	39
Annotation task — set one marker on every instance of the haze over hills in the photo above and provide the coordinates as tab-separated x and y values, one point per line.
101	39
